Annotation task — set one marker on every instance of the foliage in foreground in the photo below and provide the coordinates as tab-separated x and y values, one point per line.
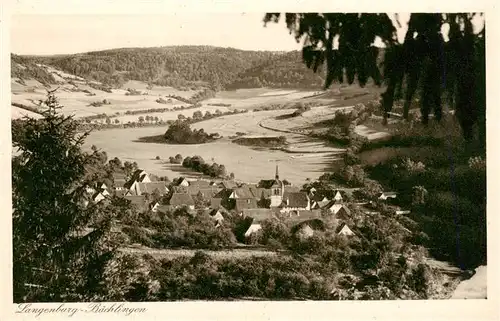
61	246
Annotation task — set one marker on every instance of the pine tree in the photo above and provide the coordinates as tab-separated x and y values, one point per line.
61	241
440	72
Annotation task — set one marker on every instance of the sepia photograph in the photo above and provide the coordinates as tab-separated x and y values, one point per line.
248	156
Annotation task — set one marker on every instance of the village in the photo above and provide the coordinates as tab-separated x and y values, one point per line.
270	199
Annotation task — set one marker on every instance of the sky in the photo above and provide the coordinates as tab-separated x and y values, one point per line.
47	34
65	34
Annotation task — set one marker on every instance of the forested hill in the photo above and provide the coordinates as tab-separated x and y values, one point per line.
286	70
181	66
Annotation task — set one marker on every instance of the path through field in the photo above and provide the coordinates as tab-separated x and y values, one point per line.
307	158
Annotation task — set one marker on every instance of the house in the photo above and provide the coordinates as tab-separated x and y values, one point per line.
158	187
154	207
386	195
123	193
319	202
338	197
259	214
180	200
119	180
260	192
139	201
243	192
215	202
300	216
228	184
182	182
139	176
343	229
304	231
200	184
245	203
295	201
254	228
216	215
98	197
341	211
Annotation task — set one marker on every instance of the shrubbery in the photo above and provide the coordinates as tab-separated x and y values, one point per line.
181	133
198	164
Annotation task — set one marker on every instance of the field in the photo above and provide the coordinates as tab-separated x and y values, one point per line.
306	157
77	102
257	97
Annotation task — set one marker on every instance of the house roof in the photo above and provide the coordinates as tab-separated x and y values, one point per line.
243	192
179	199
138	200
343	229
253	228
388	194
228	184
259	192
244	203
302	216
151	187
298	199
259	214
208	191
305	230
121	193
215	202
138	176
199	184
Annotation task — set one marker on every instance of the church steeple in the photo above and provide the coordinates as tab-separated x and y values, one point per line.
277	174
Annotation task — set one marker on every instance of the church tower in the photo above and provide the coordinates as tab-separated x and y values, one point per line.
277	190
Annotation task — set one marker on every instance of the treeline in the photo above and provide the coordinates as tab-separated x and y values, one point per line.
167	66
181	133
198	164
187	67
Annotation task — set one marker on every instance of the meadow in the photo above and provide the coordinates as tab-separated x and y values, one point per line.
248	164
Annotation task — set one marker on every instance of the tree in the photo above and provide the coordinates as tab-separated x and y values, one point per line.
141	119
108	120
117	121
181	117
61	246
197	115
424	64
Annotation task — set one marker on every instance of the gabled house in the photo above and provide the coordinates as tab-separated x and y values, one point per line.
304	231
180	200
259	214
243	192
119	180
216	215
245	203
343	229
339	210
139	176
319	202
254	228
98	197
154	207
158	187
228	184
182	182
295	201
200	184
